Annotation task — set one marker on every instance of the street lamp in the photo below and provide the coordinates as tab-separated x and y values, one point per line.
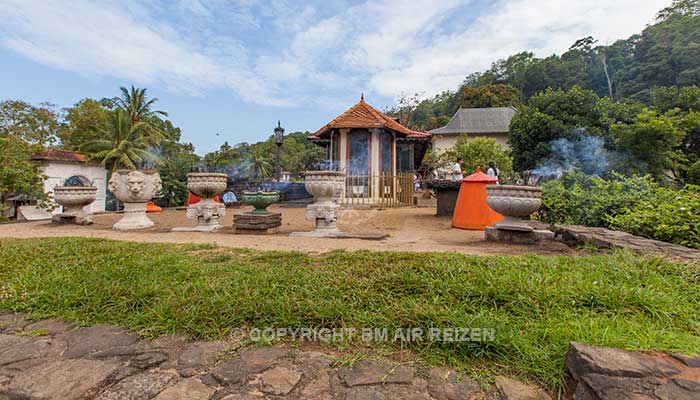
279	139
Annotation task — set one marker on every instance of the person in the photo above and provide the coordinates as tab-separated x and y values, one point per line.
492	171
457	170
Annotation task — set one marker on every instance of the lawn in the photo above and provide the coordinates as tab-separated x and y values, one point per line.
536	305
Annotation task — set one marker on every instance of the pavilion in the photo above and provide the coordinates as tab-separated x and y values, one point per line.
373	149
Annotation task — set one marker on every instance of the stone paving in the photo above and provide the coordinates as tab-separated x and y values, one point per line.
52	359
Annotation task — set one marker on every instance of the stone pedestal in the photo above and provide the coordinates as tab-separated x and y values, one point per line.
134	217
80	219
326	218
446	193
134	189
327	187
207	211
249	223
494	234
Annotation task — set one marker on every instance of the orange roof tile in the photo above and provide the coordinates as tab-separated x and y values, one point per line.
362	115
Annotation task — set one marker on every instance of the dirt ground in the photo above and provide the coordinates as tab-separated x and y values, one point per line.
409	229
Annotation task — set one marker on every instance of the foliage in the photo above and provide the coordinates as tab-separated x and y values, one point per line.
694	174
203	291
175	162
478	152
124	144
19	175
651	144
35	125
664	54
83	123
551	115
257	161
669	215
589	200
489	96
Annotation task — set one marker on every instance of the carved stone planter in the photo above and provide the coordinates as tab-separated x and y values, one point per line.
327	187
134	189
207	211
260	200
514	203
74	199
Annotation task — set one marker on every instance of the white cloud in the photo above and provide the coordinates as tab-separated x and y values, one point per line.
282	52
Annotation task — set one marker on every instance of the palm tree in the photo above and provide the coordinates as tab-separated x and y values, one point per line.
139	108
258	166
124	144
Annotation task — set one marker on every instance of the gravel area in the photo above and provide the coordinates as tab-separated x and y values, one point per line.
409	229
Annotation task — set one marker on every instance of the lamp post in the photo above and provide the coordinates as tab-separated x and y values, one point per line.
279	139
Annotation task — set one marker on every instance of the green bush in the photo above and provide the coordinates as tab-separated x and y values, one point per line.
694	174
670	215
580	199
478	152
636	205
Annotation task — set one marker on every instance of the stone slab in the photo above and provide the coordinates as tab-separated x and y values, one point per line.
493	234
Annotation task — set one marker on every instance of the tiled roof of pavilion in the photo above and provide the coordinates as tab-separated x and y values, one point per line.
362	115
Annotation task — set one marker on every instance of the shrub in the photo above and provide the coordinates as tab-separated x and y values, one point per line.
694	174
670	215
589	200
478	152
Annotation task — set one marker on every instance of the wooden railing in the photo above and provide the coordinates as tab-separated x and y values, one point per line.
382	190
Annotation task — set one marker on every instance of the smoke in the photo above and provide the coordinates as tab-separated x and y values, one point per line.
585	153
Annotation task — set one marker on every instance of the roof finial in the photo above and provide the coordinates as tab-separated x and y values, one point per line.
279	125
362	96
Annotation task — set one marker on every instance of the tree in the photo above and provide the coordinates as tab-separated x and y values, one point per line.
124	144
487	96
479	152
83	123
19	175
258	165
557	114
35	125
139	109
651	144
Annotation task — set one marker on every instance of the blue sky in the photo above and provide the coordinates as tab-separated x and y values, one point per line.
235	67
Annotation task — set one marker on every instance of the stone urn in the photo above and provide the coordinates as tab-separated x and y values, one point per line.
327	187
207	211
260	200
74	199
514	203
134	188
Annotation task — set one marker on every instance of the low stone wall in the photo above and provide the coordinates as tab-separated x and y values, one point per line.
609	239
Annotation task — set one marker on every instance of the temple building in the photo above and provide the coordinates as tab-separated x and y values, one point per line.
474	122
370	146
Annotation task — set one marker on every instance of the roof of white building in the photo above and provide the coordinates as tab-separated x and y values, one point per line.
478	120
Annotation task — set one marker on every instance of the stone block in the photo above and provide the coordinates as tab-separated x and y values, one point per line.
493	234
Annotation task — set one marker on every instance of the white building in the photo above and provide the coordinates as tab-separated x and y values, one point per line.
60	165
474	122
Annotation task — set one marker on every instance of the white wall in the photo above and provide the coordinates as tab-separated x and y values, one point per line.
442	143
57	173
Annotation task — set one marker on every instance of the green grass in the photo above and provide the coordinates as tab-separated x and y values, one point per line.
537	305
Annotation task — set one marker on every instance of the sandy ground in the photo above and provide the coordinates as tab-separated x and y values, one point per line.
410	229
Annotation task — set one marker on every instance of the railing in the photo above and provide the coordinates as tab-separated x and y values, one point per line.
381	190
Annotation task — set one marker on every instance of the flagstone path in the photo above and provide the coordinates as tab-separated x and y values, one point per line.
52	359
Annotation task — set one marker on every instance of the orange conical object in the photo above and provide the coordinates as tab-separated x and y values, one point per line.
471	209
